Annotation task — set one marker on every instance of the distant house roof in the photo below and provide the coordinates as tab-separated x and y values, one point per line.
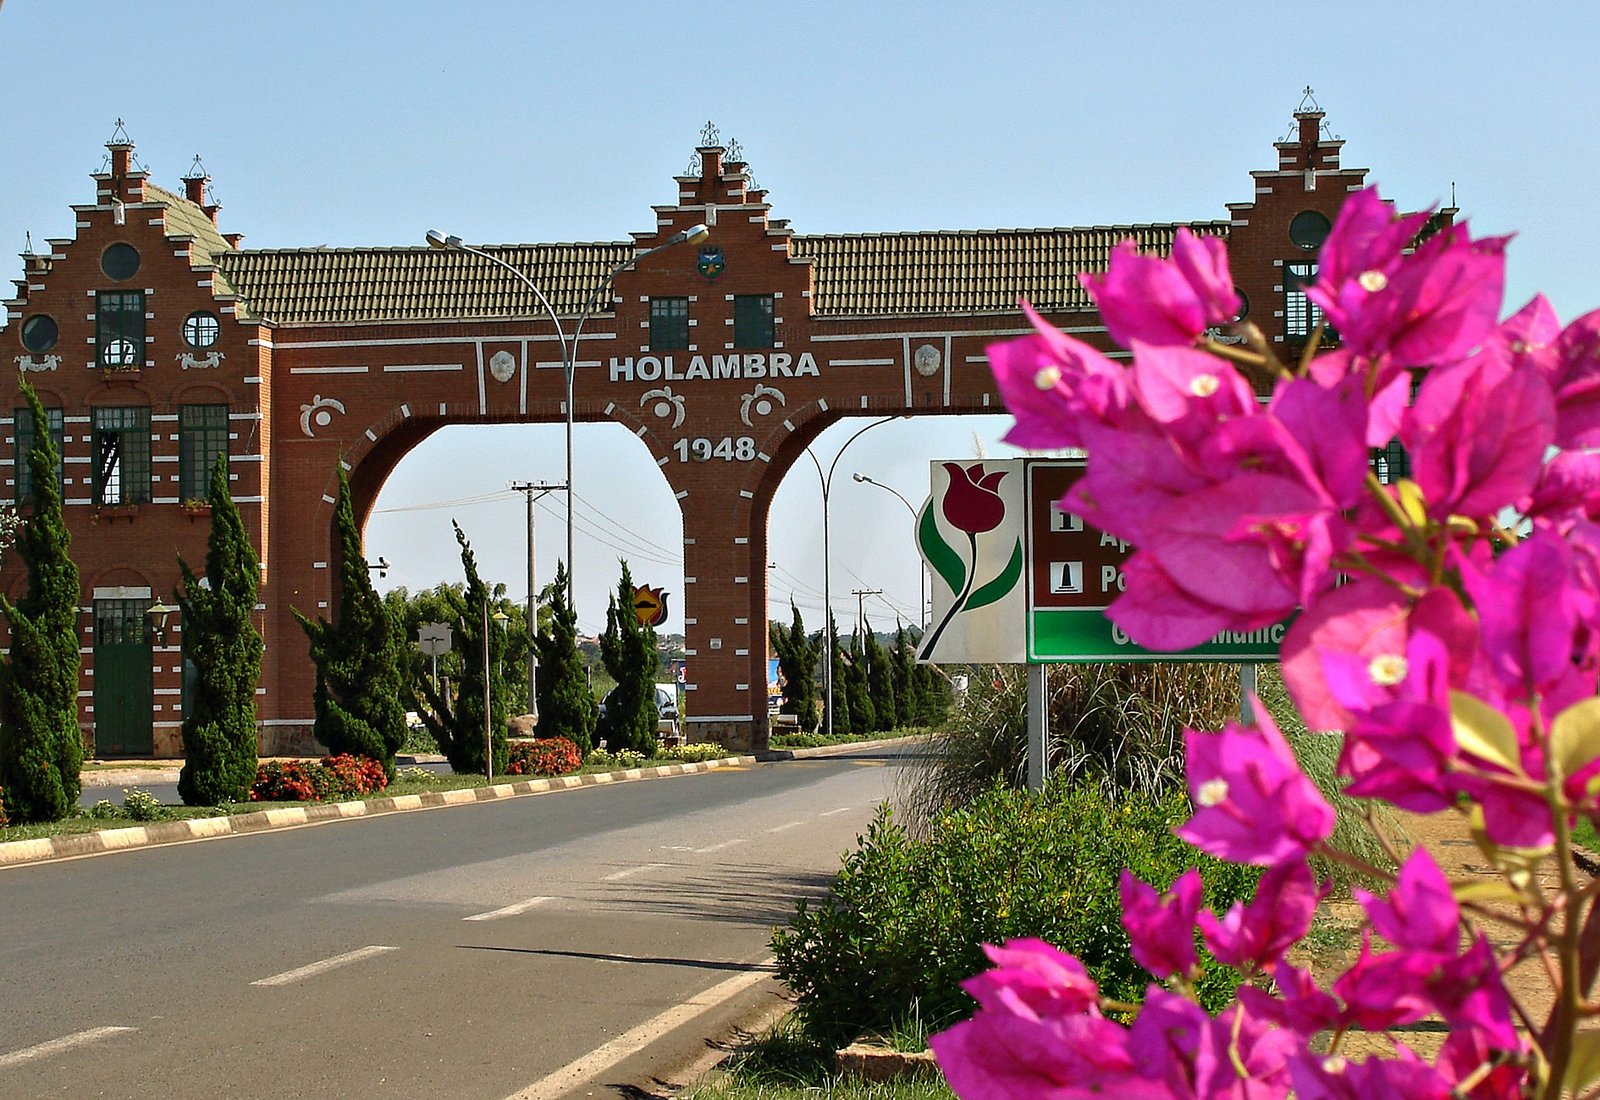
868	274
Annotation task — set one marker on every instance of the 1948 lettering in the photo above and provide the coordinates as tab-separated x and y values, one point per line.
728	448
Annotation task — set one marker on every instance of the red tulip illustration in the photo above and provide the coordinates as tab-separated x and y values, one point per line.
972	503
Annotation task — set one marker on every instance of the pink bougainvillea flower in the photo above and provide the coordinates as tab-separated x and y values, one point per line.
1368	624
1301	1005
973	503
1253	803
1528	606
1469	993
1157	301
1188	392
1477	435
1256	936
1409	309
1000	1056
1161	926
1051	382
1157	613
1420	913
1384	991
1334	1077
1574	376
1527	339
1034	978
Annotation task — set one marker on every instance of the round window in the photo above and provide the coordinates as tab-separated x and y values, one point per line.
39	333
119	352
120	261
200	329
1309	229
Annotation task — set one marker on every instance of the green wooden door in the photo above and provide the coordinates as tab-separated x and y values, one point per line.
122	688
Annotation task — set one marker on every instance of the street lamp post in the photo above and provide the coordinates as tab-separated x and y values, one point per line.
922	607
827	569
569	351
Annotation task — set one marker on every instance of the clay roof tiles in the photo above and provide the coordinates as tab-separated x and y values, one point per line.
870	274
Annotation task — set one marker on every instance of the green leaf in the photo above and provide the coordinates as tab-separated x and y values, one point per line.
997	588
1584	1066
945	561
1484	732
1575	736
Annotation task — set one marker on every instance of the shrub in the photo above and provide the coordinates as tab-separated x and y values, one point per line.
355	774
905	919
139	804
545	756
622	758
104	810
692	754
317	780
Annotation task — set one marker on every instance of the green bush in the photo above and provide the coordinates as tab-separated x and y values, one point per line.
906	918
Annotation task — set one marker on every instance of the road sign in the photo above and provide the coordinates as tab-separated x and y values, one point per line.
1075	572
434	639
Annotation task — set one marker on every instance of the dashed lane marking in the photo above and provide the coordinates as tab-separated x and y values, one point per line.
629	872
833	813
781	828
724	844
56	1046
311	970
509	910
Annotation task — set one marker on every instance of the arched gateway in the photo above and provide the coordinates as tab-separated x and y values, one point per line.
157	342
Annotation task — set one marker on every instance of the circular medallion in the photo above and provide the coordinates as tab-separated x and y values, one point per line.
502	364
926	360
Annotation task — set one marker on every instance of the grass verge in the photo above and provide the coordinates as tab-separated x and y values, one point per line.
409	780
821	740
782	1064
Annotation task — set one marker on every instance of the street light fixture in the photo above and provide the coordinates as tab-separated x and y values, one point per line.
922	607
569	351
827	569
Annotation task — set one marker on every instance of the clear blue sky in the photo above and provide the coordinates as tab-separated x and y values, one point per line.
344	123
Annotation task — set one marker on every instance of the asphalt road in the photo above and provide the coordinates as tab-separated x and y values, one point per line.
460	952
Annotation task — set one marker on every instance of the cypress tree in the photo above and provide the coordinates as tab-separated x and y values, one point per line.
458	725
858	698
841	705
903	663
219	639
797	658
628	648
359	708
41	747
880	682
567	706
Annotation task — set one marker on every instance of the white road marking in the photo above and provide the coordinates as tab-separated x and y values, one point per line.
631	871
509	910
831	813
724	844
631	1042
311	970
781	828
56	1046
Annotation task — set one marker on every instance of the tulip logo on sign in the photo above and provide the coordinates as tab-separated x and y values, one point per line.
972	504
650	605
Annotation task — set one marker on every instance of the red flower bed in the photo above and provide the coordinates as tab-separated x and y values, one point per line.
549	756
317	780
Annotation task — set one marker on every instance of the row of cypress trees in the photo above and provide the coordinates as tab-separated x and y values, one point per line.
875	689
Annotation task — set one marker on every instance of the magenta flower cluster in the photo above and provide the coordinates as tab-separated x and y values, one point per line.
1447	623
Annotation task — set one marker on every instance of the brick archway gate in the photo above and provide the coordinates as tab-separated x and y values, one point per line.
724	358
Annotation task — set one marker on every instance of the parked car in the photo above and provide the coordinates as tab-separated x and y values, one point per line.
666	699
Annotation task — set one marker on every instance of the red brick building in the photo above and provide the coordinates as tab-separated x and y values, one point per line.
157	342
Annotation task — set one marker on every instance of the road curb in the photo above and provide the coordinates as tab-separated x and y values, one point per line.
16	852
285	817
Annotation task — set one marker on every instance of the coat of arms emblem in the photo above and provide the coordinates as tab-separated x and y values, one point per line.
712	262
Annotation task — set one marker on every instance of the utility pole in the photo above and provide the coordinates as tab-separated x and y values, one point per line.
533	491
861	595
